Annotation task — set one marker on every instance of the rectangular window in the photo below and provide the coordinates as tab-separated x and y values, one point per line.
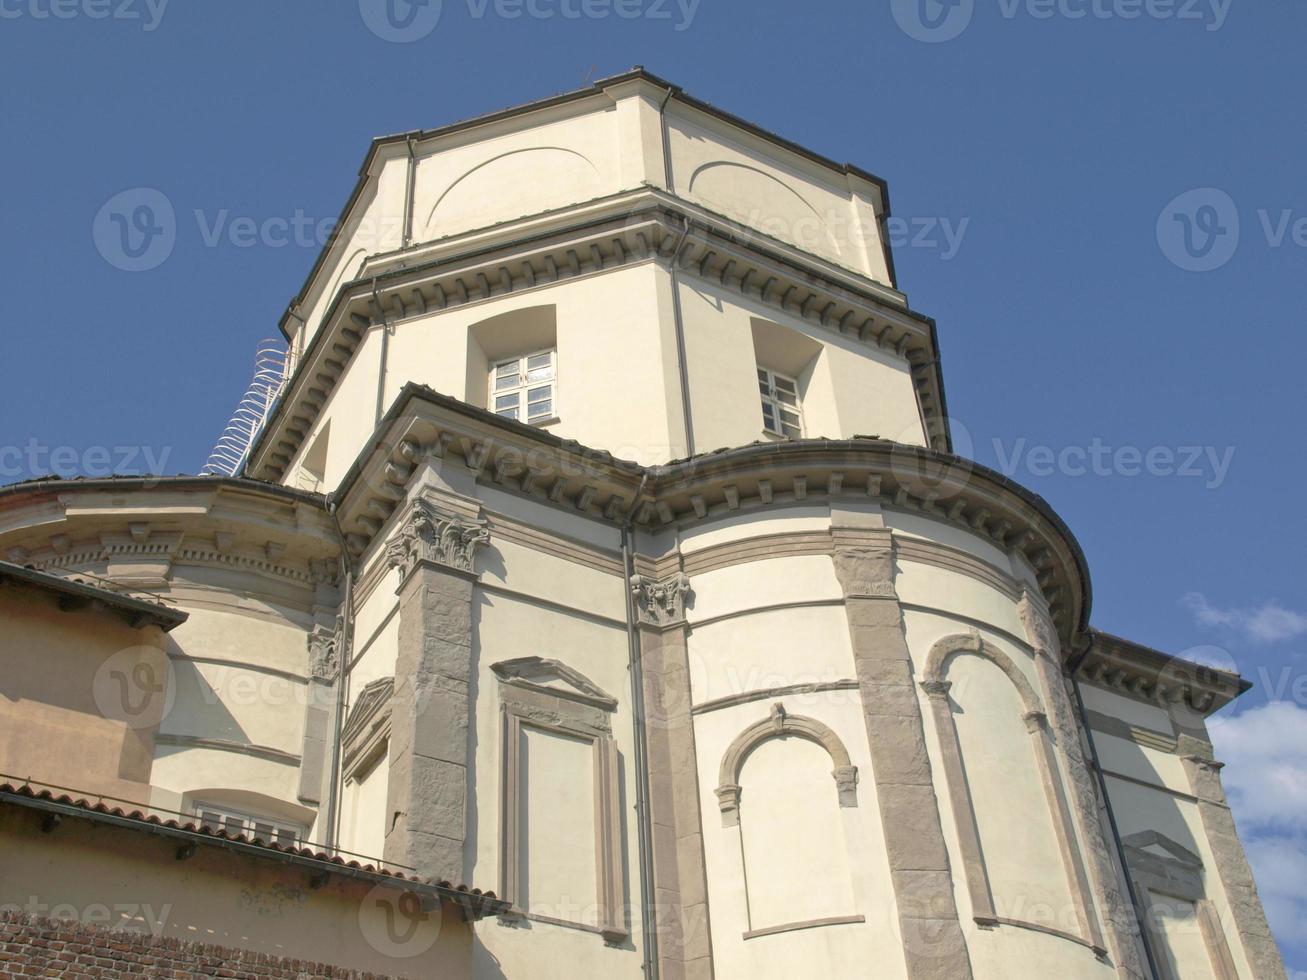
781	412
266	829
522	388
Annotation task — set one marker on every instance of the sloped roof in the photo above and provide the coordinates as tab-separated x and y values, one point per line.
25	794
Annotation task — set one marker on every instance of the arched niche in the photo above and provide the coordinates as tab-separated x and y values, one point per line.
989	776
792	833
778	725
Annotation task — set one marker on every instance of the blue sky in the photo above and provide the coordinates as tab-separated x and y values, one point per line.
1099	200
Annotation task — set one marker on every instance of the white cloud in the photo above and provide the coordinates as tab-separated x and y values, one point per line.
1268	623
1265	750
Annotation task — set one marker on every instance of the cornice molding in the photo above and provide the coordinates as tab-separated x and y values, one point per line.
628	228
521	460
140	532
1151	676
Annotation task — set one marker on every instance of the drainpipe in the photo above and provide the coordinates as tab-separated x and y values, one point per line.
384	357
344	654
683	369
648	895
407	235
1107	806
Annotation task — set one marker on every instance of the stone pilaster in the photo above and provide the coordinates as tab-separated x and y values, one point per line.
680	879
1204	772
1122	925
324	646
933	943
427	795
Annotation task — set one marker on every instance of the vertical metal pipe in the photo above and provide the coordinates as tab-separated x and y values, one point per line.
648	894
332	816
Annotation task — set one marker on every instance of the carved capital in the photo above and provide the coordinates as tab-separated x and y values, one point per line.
324	653
1035	721
1039	628
936	690
866	572
660	603
430	534
728	799
846	784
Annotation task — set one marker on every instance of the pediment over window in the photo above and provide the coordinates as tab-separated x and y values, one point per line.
547	676
1160	846
368	724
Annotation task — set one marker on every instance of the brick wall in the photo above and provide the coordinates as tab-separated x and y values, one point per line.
32	946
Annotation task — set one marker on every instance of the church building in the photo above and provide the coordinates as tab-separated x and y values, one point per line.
588	588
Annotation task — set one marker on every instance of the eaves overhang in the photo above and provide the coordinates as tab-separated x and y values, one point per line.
140	528
594	91
188	834
76	594
632	227
526	461
1148	674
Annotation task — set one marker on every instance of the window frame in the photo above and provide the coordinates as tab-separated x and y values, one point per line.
523	388
776	405
249	824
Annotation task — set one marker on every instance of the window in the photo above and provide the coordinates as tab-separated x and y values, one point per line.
781	414
266	829
522	388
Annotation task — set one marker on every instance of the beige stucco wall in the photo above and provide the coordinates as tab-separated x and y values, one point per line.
57	675
216	896
618	381
566	155
777	622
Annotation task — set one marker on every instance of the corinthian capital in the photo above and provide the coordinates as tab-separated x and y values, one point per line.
660	602
1039	628
428	533
324	652
866	571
